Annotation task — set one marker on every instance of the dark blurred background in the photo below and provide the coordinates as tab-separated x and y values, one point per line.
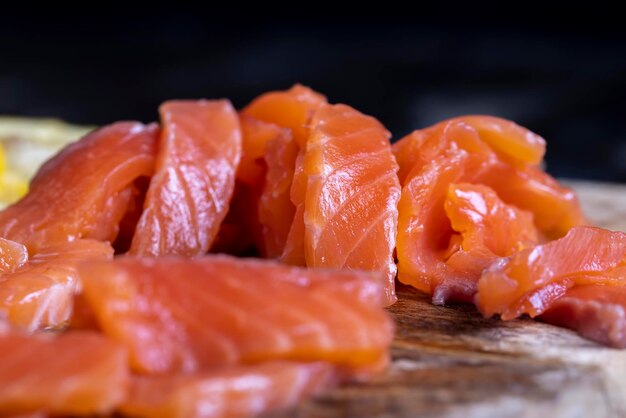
566	82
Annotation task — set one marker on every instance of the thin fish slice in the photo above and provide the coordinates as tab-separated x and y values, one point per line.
189	194
597	312
531	280
352	193
484	229
186	315
290	109
512	142
84	191
276	210
77	374
231	392
40	293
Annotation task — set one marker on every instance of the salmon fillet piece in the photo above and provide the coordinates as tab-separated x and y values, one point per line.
530	281
276	210
352	192
84	191
40	292
189	194
76	373
187	315
501	158
597	312
233	392
291	109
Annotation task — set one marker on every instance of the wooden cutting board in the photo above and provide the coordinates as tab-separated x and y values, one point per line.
451	362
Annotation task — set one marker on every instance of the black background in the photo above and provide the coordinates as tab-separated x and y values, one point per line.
567	82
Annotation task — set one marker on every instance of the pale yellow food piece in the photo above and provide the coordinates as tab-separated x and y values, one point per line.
12	188
2	160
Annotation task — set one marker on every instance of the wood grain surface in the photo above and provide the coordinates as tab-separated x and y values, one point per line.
451	362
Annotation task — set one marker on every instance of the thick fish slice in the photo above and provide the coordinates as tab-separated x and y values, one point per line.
186	315
352	193
597	312
232	392
189	194
68	374
40	293
84	191
455	152
531	280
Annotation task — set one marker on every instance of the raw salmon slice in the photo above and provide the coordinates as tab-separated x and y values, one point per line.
486	224
84	191
233	392
40	293
77	373
425	233
188	197
293	253
596	312
352	193
423	146
513	143
531	280
38	414
555	208
276	210
241	232
516	145
292	109
220	310
255	137
484	228
455	152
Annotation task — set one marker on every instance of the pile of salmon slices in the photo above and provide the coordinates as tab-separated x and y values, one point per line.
480	221
124	288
